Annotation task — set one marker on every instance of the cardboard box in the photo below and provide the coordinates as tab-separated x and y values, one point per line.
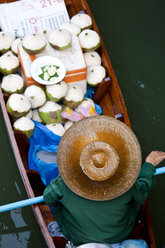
72	58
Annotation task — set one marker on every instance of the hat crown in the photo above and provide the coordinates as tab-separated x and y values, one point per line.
72	160
99	161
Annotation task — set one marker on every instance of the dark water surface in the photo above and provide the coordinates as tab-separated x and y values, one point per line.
134	35
18	228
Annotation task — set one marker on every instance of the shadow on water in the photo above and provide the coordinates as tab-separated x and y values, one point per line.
18	228
133	33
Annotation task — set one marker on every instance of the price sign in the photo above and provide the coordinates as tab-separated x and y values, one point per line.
32	16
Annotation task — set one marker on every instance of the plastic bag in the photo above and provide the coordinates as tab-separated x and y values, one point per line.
131	243
134	243
42	155
43	152
73	115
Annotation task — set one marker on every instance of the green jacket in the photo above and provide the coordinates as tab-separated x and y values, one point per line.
85	221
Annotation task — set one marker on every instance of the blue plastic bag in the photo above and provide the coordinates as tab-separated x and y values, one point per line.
130	243
43	151
90	91
98	109
134	243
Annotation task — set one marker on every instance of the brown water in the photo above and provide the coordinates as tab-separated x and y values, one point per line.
133	33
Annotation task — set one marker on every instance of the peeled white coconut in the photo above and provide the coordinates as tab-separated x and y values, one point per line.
56	128
6	40
12	83
9	63
18	105
73	97
36	116
14	45
68	124
56	92
92	58
25	125
72	28
87	107
33	43
29	114
45	34
89	40
60	39
84	21
95	74
87	102
36	96
50	112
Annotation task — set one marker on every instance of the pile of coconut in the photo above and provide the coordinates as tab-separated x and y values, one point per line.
56	106
59	105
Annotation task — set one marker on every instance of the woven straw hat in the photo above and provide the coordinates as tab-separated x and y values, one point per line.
99	158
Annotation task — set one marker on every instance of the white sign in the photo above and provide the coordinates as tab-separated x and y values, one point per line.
32	16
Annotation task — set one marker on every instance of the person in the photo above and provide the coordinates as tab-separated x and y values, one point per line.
101	185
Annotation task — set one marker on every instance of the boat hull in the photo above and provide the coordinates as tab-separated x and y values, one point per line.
109	97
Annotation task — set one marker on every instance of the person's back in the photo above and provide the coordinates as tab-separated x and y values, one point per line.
84	221
101	184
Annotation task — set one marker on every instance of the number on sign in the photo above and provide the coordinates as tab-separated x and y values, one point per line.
47	3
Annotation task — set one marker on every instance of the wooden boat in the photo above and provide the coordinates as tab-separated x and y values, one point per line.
109	97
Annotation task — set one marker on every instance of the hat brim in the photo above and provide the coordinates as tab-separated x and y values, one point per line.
116	134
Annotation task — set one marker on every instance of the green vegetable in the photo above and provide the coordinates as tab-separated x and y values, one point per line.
49	72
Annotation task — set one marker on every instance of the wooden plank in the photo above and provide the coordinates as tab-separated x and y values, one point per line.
106	106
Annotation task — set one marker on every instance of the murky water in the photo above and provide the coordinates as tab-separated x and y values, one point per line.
18	228
133	33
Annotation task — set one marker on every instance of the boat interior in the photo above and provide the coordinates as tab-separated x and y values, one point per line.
109	97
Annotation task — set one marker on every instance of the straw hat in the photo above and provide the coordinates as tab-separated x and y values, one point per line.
99	158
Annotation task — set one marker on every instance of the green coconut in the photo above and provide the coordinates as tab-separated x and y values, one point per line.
25	125
50	112
56	128
68	124
95	75
36	95
45	34
29	114
57	91
60	39
72	28
33	44
18	105
6	39
89	40
92	58
9	63
36	116
73	97
14	45
84	21
86	103
12	83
